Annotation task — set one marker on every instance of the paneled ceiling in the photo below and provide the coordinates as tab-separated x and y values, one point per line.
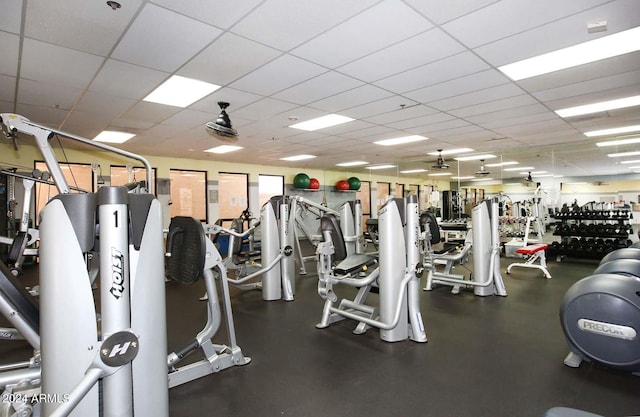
398	67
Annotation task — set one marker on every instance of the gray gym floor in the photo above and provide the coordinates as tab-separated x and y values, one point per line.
493	357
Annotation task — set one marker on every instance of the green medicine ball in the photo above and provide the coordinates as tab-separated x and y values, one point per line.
301	180
354	183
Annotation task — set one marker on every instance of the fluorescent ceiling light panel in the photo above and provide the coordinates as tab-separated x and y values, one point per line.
627	141
322	122
381	167
451	151
413	171
622	154
475	157
542	176
440	174
352	163
224	149
595	50
599	107
482	179
517	168
110	136
401	140
180	91
634	167
503	164
463	178
613	131
297	157
536	172
635	161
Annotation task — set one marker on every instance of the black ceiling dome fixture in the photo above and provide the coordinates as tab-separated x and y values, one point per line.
440	164
482	170
221	128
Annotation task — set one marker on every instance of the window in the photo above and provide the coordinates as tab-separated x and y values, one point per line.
78	176
233	195
188	193
384	190
399	190
121	175
364	195
268	186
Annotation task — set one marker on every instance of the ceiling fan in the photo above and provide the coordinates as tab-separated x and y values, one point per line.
440	164
221	128
482	172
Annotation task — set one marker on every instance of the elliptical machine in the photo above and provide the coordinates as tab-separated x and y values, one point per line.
600	314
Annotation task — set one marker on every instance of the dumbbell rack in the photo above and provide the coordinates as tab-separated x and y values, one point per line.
591	234
511	226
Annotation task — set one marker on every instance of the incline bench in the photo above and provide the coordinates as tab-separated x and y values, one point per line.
533	253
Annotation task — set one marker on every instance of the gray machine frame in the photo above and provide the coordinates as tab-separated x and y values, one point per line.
398	313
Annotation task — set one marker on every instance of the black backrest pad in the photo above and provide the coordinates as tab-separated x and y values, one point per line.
188	250
12	290
139	205
329	223
236	226
428	219
81	209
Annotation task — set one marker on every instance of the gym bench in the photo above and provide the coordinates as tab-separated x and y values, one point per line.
533	253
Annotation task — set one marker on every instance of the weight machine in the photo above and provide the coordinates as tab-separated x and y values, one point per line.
396	279
121	368
486	278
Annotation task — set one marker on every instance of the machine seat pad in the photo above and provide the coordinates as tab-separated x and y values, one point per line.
354	262
531	249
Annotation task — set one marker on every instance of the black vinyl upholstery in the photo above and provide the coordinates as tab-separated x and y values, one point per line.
329	223
187	245
428	219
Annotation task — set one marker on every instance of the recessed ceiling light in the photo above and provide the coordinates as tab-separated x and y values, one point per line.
542	175
622	154
627	141
413	171
381	166
450	151
475	157
224	149
400	140
463	178
613	131
595	50
352	163
297	157
599	107
482	179
180	91
635	161
503	164
322	122
634	167
517	168
110	136
440	174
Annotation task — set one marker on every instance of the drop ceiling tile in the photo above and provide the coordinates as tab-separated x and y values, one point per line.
285	24
627	79
46	116
126	80
421	121
362	134
512	117
384	106
419	50
497	105
459	86
38	93
477	97
317	88
594	97
146	112
9	45
7	90
100	103
440	12
561	33
351	98
409	112
236	99
277	75
264	109
446	69
163	40
11	16
89	26
436	127
54	64
361	35
220	63
507	18
214	12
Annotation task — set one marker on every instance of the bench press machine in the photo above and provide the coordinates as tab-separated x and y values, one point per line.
396	279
